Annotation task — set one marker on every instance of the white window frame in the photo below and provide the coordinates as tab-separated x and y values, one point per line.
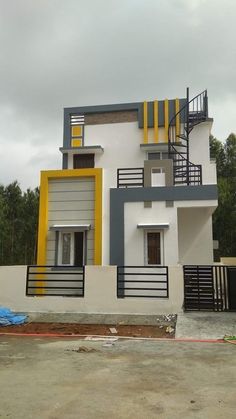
72	247
161	232
161	153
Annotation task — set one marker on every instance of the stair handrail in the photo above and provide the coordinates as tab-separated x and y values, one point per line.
200	98
187	103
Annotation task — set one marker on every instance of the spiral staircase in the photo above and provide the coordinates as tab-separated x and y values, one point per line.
191	114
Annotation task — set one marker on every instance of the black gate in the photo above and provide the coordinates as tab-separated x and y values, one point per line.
209	288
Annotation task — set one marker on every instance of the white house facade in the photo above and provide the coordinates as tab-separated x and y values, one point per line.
137	187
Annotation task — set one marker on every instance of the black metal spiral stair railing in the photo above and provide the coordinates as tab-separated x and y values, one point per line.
192	113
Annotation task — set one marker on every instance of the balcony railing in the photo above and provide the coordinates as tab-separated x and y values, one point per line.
130	177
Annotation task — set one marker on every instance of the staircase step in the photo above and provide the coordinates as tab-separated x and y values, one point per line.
180	154
183	137
184	182
197	115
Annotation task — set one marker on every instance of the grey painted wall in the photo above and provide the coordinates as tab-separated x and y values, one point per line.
71	201
118	197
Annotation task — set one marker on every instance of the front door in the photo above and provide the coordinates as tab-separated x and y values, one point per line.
79	248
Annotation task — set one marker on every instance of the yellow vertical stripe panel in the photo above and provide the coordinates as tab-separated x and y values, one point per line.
166	116
42	231
177	124
43	219
155	116
145	122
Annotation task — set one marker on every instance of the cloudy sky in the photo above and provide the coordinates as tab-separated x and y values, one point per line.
61	53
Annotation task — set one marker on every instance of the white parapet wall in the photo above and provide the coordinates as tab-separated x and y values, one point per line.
99	297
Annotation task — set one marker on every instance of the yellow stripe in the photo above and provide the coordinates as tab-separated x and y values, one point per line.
43	219
42	230
43	210
155	113
145	122
177	124
166	112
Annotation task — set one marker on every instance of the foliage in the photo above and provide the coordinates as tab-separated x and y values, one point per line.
18	225
224	218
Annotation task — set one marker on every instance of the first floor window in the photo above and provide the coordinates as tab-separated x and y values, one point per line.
82	161
162	155
153	248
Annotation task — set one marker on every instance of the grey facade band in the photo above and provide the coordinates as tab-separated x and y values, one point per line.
136	106
118	197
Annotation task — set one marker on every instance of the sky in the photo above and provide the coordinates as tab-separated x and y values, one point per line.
65	53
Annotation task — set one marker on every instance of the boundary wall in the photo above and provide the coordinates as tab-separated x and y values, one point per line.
99	297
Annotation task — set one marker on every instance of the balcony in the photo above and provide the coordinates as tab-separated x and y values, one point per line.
130	177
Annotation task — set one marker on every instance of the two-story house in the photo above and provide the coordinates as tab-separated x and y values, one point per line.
136	187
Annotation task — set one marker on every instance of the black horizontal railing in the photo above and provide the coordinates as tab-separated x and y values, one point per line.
182	170
130	177
65	281
142	281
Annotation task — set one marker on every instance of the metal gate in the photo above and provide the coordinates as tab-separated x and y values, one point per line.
209	288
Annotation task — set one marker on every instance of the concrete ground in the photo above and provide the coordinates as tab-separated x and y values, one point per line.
205	325
48	379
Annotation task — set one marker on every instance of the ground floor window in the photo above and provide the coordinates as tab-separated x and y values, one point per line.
153	241
66	248
72	248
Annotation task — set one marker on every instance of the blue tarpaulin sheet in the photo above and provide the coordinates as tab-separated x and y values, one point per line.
7	317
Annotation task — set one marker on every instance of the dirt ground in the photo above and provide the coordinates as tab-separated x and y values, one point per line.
147	331
43	378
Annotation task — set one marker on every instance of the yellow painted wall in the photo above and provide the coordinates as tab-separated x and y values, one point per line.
43	209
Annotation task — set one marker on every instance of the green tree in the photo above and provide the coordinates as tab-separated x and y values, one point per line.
30	228
217	152
230	157
224	218
13	220
18	224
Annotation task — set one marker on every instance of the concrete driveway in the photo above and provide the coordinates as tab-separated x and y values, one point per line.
205	325
48	379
